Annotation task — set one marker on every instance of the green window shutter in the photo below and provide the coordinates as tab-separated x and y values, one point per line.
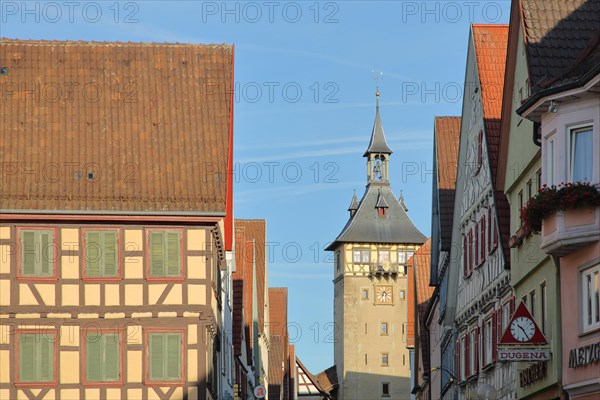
28	253
46	253
111	357
173	265
93	254
110	253
157	262
27	360
173	356
157	357
46	367
93	354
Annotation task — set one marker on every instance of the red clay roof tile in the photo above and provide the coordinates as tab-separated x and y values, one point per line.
150	121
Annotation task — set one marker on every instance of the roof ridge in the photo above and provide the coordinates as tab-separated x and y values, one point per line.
113	43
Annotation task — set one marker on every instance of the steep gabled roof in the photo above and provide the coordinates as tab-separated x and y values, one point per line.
276	359
322	384
562	42
490	43
255	231
366	226
115	127
490	49
447	139
559	36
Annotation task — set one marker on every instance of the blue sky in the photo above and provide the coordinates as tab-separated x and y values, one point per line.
304	109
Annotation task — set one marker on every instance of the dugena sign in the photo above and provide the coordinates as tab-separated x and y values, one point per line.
523	354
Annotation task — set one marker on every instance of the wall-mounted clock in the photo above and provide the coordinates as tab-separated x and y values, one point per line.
383	295
522	329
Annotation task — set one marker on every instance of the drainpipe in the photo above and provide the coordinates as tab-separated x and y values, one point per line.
537	134
558	357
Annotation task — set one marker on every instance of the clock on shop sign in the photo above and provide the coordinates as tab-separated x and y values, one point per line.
522	329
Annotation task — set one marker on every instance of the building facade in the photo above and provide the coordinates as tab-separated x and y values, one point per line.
419	297
565	102
110	276
480	284
533	272
446	137
370	284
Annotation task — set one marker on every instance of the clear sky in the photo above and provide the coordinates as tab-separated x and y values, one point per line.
305	104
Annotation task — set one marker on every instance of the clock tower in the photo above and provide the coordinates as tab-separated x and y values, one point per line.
370	285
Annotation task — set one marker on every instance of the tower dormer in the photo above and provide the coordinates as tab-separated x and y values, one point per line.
378	152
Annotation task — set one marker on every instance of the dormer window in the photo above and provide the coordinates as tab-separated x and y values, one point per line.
381	212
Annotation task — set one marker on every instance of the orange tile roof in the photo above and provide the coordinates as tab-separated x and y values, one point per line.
490	49
150	121
491	43
255	230
447	130
420	283
447	139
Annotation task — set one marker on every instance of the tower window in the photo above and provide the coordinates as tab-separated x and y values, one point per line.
385	359
383	256
385	389
364	294
361	256
381	211
383	331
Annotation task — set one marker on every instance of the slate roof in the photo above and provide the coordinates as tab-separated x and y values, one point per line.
447	139
150	121
378	144
560	35
354	203
366	226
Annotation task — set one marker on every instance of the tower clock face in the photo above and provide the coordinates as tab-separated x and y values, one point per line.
522	329
384	294
377	170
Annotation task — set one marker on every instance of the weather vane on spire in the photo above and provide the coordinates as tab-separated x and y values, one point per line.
377	76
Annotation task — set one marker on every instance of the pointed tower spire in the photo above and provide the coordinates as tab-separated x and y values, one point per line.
381	203
378	144
402	203
353	205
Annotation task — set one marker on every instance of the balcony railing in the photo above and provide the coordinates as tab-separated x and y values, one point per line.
565	231
385	268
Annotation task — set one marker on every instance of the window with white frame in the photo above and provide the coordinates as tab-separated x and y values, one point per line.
472	351
543	305
590	280
505	316
581	154
402	257
487	341
463	364
383	256
549	162
361	256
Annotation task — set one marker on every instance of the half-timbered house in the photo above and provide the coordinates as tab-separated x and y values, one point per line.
115	218
479	273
